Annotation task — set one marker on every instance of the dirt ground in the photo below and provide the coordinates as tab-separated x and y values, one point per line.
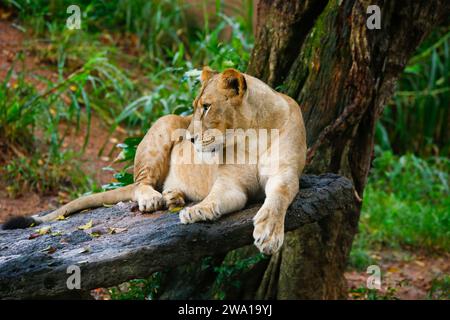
406	275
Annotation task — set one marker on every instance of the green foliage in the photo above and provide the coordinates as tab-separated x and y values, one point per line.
151	21
31	121
360	255
45	174
16	121
137	289
230	273
440	288
363	293
175	82
126	156
417	120
406	204
158	28
173	92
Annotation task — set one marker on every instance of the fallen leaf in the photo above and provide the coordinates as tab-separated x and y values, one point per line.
176	209
375	256
44	230
99	230
63	194
419	263
56	234
393	270
61	218
86	226
40	232
5	14
95	234
49	250
85	250
117	230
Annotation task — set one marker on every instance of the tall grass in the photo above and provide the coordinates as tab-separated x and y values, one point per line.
157	28
418	117
174	83
169	48
406	205
31	136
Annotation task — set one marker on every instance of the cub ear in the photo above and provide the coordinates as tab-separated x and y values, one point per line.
207	73
233	80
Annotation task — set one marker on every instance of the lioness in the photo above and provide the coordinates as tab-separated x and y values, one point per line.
164	179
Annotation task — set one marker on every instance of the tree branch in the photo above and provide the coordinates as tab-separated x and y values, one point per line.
124	244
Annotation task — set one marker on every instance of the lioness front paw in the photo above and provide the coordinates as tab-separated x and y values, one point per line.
148	199
269	231
197	213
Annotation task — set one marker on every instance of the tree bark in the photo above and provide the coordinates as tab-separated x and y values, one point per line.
341	73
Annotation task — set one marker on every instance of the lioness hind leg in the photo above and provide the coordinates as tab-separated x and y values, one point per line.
225	197
174	198
152	160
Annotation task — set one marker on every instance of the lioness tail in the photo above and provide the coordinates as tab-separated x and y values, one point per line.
86	202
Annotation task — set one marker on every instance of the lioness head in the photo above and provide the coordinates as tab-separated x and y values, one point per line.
218	107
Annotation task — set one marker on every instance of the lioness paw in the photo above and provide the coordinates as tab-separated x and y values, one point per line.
269	231
197	213
148	199
151	203
173	198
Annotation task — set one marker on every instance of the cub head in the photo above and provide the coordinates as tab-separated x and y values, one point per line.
219	106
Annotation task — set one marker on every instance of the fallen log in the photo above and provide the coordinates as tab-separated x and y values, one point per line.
114	244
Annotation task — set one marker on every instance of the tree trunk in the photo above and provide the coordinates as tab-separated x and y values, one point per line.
342	73
322	54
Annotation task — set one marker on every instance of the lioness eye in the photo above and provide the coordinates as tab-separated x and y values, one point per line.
206	106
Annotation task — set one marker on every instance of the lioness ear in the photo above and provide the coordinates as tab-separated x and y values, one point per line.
207	73
232	79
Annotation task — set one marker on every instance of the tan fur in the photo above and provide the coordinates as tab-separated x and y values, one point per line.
232	100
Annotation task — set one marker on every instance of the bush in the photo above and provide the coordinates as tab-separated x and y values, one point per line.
406	204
